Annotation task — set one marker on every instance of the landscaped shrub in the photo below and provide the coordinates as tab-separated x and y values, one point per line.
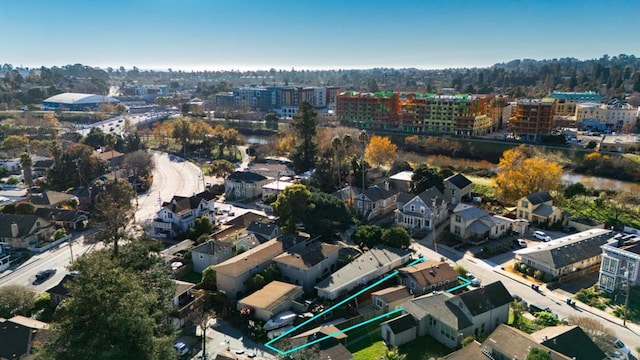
530	271
547	278
538	274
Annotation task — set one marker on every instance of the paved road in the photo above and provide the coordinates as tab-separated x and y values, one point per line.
489	272
58	258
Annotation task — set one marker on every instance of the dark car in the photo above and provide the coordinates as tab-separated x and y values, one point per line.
569	229
43	275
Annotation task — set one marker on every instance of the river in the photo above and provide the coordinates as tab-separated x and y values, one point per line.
600	183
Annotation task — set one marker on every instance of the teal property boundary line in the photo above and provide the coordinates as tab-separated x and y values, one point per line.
417	261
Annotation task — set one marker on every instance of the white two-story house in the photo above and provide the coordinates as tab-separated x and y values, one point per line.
180	214
423	210
244	185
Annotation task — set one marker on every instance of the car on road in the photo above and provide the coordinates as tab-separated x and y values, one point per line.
541	235
474	280
520	242
43	275
181	348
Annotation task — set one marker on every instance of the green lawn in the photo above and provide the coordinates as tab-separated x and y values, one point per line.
192	277
425	347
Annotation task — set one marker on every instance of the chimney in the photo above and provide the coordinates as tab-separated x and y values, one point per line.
14	230
386	185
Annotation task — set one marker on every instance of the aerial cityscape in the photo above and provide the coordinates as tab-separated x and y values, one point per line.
311	181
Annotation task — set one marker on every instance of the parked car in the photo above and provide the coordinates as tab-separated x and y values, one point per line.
569	229
181	348
541	235
474	280
535	308
621	347
520	242
519	300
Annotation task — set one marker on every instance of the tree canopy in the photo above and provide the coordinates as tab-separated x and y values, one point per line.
114	208
424	178
16	300
380	151
520	174
117	308
320	213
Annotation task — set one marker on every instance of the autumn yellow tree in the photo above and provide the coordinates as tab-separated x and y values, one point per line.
380	151
520	175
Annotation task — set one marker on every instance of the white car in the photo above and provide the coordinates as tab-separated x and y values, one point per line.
541	235
181	348
621	347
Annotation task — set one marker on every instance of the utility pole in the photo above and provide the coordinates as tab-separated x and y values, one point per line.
626	301
433	224
71	246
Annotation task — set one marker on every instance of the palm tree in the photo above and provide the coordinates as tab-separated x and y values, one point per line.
26	163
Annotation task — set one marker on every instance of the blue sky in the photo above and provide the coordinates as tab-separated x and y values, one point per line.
303	34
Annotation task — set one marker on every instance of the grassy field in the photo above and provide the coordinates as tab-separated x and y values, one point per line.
425	347
604	211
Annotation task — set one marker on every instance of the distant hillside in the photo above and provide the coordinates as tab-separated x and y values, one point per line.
616	76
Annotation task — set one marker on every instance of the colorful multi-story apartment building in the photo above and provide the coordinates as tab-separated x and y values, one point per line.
566	102
378	111
532	118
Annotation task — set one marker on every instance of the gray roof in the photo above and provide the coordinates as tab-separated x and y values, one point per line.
539	197
478	227
401	323
376	193
543	210
264	229
404	198
458	180
568	250
211	247
347	192
469	212
366	263
25	224
432	192
77	98
438	306
486	298
574	343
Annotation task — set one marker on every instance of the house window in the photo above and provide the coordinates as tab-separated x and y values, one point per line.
413	208
456	230
412	284
458	218
524	204
610	265
453	192
379	303
421	209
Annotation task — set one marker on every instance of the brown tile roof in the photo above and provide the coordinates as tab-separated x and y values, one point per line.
106	155
430	273
324	329
272	295
308	256
393	293
240	264
516	344
181	287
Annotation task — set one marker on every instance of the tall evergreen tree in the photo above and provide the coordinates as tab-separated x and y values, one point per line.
304	124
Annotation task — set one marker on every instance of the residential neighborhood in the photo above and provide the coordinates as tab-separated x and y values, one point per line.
386	188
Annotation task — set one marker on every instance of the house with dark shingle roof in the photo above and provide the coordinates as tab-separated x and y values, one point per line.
450	318
538	208
400	330
211	252
17	339
244	185
570	341
505	342
419	212
457	188
180	214
376	201
24	231
427	277
304	266
470	222
60	291
68	219
40	167
567	254
330	348
264	230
